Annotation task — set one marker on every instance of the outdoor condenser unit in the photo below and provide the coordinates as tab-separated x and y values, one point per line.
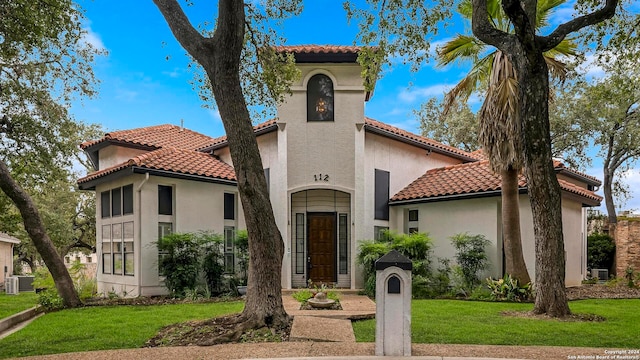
11	285
601	274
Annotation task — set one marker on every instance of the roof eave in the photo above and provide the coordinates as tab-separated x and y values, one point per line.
129	170
584	200
265	130
419	144
579	176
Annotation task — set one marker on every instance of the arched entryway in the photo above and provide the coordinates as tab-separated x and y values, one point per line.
321	237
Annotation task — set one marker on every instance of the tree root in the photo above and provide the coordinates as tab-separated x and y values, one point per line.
227	329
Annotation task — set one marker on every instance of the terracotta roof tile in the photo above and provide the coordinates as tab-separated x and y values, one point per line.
318	49
171	159
156	137
561	167
222	140
375	124
466	179
479	154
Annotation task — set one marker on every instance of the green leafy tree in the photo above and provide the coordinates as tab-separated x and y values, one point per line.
405	27
608	111
457	127
44	64
242	43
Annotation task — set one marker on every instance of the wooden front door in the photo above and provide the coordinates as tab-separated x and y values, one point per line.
322	247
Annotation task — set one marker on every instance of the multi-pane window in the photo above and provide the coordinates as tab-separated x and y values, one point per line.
381	195
300	262
229	206
380	233
105	204
127	200
106	249
116	247
343	244
116	202
412	223
229	259
165	200
127	237
164	229
117	237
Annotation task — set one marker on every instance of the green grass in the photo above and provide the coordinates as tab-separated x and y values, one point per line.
467	322
104	327
13	304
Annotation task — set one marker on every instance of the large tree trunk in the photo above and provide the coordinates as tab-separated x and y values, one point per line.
607	186
511	234
266	248
544	189
35	228
220	58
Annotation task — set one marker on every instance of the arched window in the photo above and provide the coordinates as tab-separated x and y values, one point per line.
320	98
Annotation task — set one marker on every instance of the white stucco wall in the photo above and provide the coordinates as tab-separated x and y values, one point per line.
405	163
114	155
197	206
482	216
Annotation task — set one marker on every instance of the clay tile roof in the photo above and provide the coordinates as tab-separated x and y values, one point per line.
479	154
188	162
380	127
561	167
468	179
318	49
222	140
155	137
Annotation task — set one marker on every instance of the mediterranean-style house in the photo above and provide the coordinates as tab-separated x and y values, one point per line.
335	178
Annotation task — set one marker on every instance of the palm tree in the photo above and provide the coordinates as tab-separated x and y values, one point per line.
499	126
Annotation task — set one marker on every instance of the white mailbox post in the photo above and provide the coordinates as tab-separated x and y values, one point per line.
393	305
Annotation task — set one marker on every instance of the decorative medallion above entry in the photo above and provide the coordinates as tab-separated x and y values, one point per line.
320	98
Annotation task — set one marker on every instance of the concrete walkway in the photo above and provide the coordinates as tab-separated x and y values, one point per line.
328	325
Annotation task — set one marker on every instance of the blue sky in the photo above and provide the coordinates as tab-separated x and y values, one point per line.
145	81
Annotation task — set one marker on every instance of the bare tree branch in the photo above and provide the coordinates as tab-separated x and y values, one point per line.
483	29
552	40
181	27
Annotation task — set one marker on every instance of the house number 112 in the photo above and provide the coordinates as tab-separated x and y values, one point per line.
320	177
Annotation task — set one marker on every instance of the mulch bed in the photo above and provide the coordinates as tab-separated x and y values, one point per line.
602	291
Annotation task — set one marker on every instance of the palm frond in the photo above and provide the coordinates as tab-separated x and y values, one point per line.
566	47
465	8
543	11
461	47
557	69
476	78
499	131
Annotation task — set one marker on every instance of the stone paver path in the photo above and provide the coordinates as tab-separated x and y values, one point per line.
328	325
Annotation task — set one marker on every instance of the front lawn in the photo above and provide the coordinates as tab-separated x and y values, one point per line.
104	327
469	322
13	304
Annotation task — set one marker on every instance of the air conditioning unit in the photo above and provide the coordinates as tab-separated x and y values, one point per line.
11	285
25	283
600	274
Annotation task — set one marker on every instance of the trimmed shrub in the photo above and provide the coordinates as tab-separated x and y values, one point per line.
601	251
180	262
471	257
416	246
